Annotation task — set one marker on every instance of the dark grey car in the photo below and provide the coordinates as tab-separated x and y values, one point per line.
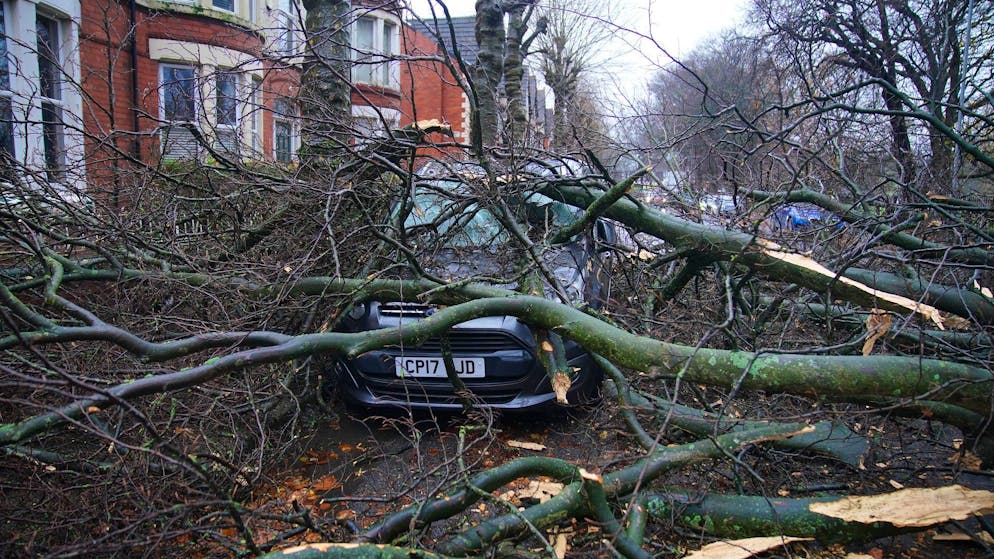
494	356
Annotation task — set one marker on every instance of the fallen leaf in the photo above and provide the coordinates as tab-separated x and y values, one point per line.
910	507
326	483
346	514
560	545
877	324
526	445
896	484
741	549
860	556
967	459
540	491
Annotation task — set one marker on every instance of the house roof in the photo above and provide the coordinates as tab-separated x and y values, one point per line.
442	31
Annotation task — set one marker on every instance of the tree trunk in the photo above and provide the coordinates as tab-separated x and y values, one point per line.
487	74
326	91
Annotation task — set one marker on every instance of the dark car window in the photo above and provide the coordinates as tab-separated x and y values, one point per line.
472	227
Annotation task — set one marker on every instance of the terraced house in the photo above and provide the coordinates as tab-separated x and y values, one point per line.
89	89
188	79
92	90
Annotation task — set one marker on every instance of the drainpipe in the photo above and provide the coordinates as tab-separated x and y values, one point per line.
136	142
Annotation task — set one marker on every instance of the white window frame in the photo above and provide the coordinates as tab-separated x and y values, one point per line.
53	131
232	129
254	110
24	91
196	91
239	92
286	17
234	6
382	63
165	121
7	92
293	121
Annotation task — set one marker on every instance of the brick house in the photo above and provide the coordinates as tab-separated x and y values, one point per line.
432	89
89	89
200	78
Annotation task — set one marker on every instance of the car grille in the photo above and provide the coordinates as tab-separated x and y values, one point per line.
404	309
440	392
470	341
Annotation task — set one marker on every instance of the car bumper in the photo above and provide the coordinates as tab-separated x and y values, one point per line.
514	380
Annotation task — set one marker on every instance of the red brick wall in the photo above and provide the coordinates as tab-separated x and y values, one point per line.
428	88
106	72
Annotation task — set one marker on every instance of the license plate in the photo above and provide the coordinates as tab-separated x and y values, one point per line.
434	367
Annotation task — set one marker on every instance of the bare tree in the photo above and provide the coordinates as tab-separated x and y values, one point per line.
915	52
570	49
160	362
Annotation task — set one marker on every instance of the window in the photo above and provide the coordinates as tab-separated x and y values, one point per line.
226	112
388	48
375	45
40	102
178	93
364	33
6	109
287	19
227	5
179	110
227	99
255	117
284	130
50	82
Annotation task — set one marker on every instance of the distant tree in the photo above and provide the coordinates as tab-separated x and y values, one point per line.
913	50
706	114
575	32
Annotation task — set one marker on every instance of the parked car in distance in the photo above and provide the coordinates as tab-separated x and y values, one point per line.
494	356
801	217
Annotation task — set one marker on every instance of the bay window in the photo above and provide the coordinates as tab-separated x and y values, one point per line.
178	90
375	46
50	77
226	112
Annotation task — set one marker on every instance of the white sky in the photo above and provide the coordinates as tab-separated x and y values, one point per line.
675	25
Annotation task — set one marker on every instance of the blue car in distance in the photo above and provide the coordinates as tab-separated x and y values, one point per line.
803	217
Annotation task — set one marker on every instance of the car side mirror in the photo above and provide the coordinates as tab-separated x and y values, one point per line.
604	235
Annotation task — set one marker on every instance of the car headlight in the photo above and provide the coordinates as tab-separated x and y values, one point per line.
357	311
571	282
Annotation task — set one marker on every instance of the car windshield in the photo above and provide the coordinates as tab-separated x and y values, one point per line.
460	227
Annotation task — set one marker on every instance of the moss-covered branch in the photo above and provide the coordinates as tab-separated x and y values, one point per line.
818	375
